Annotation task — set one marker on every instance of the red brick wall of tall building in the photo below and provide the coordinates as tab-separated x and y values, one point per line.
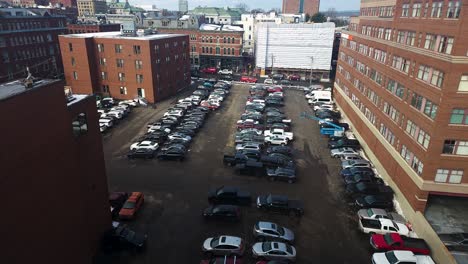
292	6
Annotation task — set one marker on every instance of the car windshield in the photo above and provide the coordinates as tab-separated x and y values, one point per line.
370	212
129	205
388	239
395	225
370	199
215	242
266	247
392	259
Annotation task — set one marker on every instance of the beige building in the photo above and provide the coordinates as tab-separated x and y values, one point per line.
91	7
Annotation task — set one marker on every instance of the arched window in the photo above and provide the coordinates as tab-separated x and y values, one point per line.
218	50
211	50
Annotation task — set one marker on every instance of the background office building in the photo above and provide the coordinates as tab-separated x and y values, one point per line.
301	6
126	67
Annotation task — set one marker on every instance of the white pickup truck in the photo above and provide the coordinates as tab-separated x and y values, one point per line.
400	257
279	132
382	226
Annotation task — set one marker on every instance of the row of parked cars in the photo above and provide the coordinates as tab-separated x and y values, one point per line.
169	137
111	112
390	234
261	148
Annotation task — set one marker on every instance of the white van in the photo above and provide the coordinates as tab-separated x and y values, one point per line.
322	99
314	94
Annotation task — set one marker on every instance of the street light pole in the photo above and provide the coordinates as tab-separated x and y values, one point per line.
311	68
272	61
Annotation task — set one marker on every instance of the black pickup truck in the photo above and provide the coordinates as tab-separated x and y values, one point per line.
343	143
229	195
239	158
280	204
364	188
250	167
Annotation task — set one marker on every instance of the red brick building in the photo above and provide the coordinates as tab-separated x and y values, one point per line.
213	48
301	6
53	176
91	28
402	79
126	67
29	39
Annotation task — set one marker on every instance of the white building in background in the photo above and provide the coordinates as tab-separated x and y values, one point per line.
250	21
183	6
295	48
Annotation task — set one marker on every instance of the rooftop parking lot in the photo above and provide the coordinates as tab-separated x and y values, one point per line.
176	192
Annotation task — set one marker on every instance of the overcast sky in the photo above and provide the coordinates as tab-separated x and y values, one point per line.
339	5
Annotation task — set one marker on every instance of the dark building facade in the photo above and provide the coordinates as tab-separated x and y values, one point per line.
208	48
301	6
91	28
402	79
54	178
126	67
29	39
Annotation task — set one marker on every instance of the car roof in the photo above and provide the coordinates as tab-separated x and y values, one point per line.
278	246
230	240
266	225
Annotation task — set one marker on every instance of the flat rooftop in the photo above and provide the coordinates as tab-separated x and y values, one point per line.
11	89
118	35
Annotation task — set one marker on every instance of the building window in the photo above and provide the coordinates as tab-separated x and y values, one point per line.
75	75
118	48
103	75
70	47
120	63
454	147
218	51
229	40
138	64
105	88
453	9
73	62
450	176
405	10
430	42
136	49
123	90
139	78
121	76
416	10
430	109
102	61
423	138
211	50
80	125
463	84
100	47
436	9
445	45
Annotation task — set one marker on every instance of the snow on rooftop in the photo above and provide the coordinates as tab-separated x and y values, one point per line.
212	27
118	35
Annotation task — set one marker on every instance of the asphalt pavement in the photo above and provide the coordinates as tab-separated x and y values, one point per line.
176	192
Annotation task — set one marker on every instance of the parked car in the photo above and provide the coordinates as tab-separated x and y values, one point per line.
271	231
363	188
279	149
121	237
344	142
229	195
359	178
356	164
224	245
280	204
277	77
222	260
277	140
287	174
145	144
375	201
141	153
172	153
268	81
279	132
344	157
274	251
455	241
222	212
211	70
132	206
225	72
337	152
376	213
117	200
394	241
382	226
294	77
357	171
400	257
248	79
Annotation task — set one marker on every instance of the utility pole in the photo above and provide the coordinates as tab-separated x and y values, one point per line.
272	61
311	68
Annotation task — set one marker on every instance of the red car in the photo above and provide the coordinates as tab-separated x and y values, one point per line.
249	124
274	89
209	105
295	77
248	79
131	206
393	241
211	70
222	260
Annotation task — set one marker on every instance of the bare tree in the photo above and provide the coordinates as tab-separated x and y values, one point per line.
243	6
